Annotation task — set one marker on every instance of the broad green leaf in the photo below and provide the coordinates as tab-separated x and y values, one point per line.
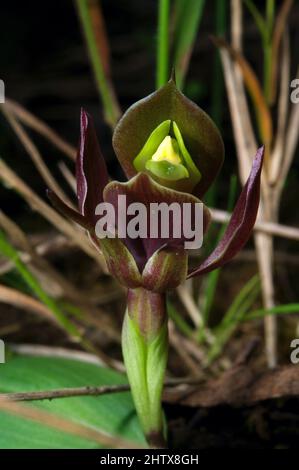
114	413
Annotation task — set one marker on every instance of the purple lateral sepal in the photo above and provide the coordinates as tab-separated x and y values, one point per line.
66	210
91	171
241	223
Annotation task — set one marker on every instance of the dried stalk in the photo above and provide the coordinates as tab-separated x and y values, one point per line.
41	127
35	155
65	393
25	302
70	230
270	228
279	158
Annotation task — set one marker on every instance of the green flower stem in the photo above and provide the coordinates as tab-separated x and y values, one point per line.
145	349
105	88
163	43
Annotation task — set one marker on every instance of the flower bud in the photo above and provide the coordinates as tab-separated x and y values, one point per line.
193	152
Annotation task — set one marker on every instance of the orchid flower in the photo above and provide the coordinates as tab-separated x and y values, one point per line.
170	151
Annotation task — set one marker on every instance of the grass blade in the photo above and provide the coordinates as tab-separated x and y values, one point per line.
9	252
286	309
163	43
234	315
92	24
187	18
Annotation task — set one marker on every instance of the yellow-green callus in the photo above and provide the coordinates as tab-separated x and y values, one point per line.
166	158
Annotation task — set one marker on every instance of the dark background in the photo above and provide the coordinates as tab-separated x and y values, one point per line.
45	67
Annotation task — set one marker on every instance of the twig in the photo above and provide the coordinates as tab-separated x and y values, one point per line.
88	390
47	351
277	35
51	279
270	195
264	246
65	393
243	134
277	156
291	139
42	128
236	24
35	155
190	305
25	302
176	342
15	182
44	269
270	228
241	385
68	176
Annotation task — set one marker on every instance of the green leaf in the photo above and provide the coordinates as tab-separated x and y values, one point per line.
113	413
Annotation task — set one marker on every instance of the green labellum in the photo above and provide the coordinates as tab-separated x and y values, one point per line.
167	170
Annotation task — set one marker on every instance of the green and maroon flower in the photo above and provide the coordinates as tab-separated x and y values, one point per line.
171	152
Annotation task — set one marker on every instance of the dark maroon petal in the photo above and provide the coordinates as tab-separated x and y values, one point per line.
91	171
240	224
165	270
120	262
143	189
66	210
